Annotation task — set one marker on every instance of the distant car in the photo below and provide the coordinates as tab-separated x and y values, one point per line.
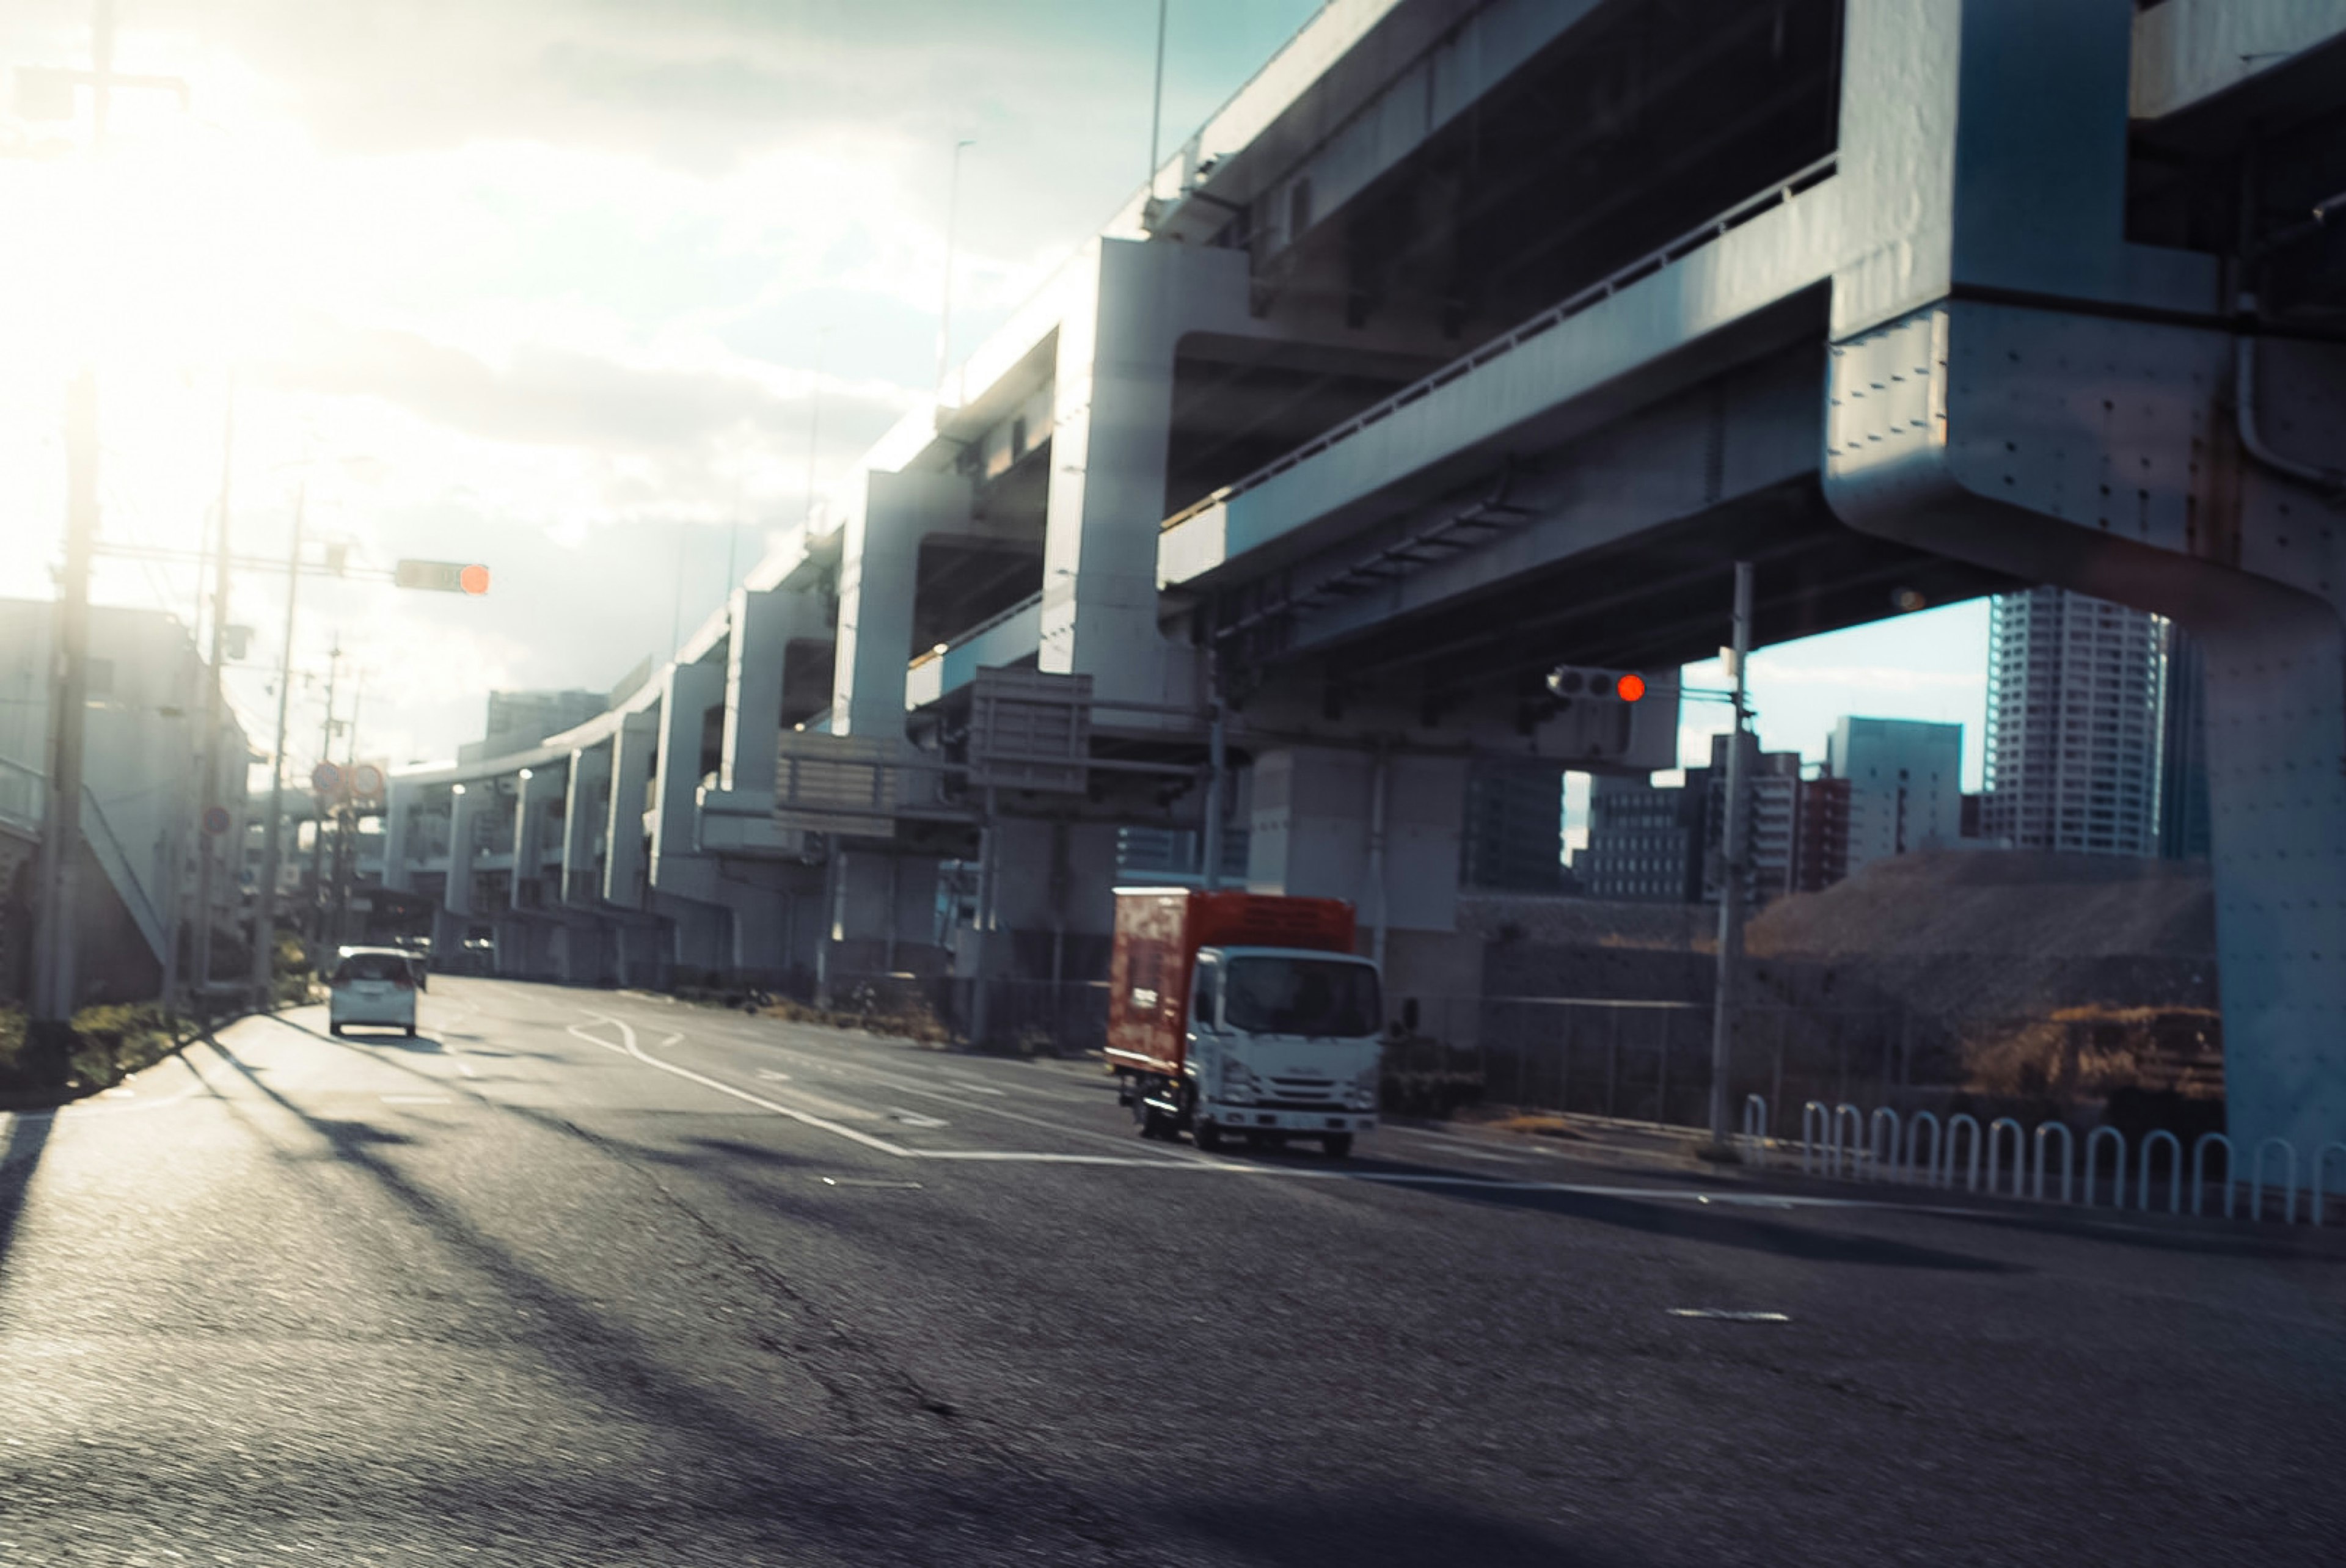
373	985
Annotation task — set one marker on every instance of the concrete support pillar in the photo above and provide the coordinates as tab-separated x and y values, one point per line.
884	915
1318	829
397	805
466	804
536	844
765	623
1054	900
678	868
878	571
1113	402
635	748
586	817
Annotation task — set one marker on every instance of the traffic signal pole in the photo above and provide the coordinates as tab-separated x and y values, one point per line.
1732	871
264	919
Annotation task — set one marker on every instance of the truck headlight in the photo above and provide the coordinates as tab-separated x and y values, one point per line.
1366	1087
1238	1085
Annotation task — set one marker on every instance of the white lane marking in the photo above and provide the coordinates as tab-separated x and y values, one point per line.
866	1077
1208	1162
868	1181
632	1049
914	1118
1723	1315
772	1076
415	1099
466	1069
972	1084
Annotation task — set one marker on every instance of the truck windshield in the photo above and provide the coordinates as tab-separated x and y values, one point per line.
1322	997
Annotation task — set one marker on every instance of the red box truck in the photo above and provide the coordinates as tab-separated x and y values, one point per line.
1243	1013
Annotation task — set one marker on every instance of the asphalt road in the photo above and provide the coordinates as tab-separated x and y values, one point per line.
591	1278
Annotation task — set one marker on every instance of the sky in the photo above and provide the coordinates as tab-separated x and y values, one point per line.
593	291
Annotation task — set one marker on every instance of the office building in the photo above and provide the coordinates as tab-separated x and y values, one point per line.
1905	785
1512	840
1640	843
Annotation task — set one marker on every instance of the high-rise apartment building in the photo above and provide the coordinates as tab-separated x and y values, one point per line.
2073	725
2183	751
1905	785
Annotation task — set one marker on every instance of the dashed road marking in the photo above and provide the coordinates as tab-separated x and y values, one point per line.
914	1118
1723	1315
415	1099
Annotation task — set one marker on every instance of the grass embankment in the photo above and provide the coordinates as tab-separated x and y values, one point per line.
103	1046
107	1043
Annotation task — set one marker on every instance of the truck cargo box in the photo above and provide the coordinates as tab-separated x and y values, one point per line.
1159	931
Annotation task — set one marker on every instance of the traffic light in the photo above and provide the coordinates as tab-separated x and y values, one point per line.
1598	685
442	576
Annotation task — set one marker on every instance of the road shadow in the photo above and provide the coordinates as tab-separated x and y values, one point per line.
1376	1532
724	1467
20	1155
1725	1223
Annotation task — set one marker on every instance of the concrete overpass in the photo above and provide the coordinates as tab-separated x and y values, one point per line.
1470	338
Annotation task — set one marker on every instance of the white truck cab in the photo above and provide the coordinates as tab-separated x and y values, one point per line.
1282	1042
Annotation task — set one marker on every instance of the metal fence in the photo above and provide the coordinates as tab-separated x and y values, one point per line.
2004	1159
1038	1017
1649	1061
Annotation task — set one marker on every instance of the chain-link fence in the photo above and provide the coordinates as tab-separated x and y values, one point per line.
1643	1061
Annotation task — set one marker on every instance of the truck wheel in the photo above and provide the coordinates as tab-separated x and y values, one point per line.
1338	1144
1206	1136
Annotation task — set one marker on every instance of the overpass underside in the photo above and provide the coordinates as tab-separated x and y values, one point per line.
1471	339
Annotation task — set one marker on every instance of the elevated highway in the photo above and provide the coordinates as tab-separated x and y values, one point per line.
1473	338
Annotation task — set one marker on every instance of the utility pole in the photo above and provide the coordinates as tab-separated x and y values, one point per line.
53	981
54	966
1732	869
264	919
814	418
1155	117
215	716
317	898
346	823
944	310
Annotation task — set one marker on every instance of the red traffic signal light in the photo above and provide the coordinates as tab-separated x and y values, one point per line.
1605	685
442	576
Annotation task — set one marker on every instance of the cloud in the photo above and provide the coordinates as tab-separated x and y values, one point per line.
549	395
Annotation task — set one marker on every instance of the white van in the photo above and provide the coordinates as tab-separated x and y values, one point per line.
371	985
